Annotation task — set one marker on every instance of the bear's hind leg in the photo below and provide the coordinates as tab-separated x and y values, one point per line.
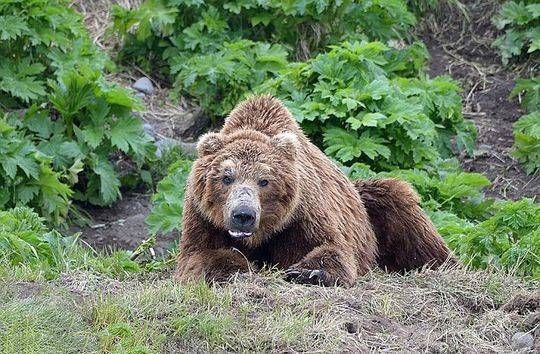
406	237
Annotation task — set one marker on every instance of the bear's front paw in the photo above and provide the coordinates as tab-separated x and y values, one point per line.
309	276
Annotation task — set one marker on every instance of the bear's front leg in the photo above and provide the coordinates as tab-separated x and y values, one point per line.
211	265
324	265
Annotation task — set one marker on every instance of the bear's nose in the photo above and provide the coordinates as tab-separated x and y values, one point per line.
243	218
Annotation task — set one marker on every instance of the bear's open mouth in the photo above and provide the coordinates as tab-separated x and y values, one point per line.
239	234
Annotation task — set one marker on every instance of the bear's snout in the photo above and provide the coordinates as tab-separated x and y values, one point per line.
243	218
242	212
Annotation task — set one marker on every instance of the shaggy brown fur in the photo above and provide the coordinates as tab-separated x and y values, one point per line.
406	237
305	216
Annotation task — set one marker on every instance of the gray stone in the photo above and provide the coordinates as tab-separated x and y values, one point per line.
144	85
149	129
189	149
522	340
191	124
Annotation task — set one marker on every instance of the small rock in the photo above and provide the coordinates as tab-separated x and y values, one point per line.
522	340
144	85
191	124
149	129
141	95
189	149
164	145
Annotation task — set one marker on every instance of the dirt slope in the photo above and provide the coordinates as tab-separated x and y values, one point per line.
461	48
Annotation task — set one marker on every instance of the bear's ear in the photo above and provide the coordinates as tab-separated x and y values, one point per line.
286	144
209	143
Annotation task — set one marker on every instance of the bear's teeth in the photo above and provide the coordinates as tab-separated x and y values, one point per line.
239	233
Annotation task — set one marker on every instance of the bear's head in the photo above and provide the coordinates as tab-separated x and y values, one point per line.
246	183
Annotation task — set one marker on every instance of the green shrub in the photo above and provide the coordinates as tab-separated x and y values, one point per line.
351	102
168	201
27	177
521	24
25	241
509	239
40	39
527	141
218	80
454	191
219	50
527	128
66	120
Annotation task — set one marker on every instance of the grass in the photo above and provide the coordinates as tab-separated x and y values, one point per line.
446	310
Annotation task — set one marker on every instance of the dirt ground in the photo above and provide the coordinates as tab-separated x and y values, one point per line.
122	225
459	46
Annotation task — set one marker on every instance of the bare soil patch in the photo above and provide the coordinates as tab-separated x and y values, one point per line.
461	48
122	226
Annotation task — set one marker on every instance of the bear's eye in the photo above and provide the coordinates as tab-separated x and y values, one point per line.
263	182
227	180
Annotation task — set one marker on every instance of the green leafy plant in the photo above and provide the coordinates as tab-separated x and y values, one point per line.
454	191
218	80
527	141
352	103
39	38
527	128
521	24
61	112
25	241
168	202
27	177
509	239
97	121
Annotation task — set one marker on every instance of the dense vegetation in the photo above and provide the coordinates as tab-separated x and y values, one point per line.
348	71
61	121
520	21
520	41
217	51
527	128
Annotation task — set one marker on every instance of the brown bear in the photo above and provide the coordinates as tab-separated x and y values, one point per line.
260	193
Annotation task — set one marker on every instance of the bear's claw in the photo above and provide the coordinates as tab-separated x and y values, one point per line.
309	276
